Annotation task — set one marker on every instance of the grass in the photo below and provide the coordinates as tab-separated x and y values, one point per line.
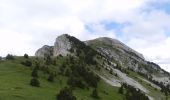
15	79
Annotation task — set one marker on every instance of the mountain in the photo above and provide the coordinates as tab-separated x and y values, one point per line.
117	52
116	63
99	69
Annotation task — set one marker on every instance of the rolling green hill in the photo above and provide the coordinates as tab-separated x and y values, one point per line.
15	84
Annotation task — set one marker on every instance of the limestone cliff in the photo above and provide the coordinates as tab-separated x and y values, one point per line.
62	45
44	51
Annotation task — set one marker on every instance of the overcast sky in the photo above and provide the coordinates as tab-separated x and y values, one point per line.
144	25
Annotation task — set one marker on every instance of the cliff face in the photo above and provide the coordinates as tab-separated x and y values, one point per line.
62	45
44	51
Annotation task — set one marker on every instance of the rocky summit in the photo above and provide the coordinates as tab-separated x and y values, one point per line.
61	47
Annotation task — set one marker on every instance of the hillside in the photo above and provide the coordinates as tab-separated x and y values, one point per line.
15	84
99	69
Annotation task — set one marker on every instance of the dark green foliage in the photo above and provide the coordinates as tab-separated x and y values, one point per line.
164	89
34	73
97	68
37	65
45	69
35	82
120	90
0	58
51	78
53	62
67	72
75	67
26	56
62	69
78	74
60	55
48	60
116	75
9	57
75	82
95	94
111	71
133	93
27	63
89	77
84	52
65	94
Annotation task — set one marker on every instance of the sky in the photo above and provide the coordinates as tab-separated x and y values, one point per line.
144	25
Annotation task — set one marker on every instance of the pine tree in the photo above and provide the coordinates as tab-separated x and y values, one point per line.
95	93
9	57
48	60
34	73
111	71
35	82
65	94
51	78
121	89
26	56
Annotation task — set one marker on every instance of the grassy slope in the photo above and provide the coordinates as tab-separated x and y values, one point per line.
15	78
155	93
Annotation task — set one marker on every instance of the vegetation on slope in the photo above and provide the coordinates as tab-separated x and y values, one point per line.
15	80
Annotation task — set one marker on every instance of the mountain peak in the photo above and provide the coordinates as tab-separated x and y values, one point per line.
114	43
63	35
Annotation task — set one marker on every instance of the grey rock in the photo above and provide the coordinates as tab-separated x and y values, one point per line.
119	45
44	51
62	45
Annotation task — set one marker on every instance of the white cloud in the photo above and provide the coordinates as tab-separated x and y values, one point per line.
159	53
147	34
11	43
44	20
27	25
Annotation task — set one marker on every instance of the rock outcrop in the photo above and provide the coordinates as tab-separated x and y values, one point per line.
62	45
44	51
